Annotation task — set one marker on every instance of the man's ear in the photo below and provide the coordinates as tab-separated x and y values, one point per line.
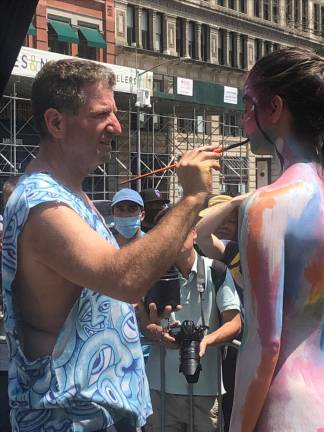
142	215
277	106
55	122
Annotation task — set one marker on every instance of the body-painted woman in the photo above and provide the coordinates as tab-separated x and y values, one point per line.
280	374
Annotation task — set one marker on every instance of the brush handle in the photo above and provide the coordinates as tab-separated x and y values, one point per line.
160	170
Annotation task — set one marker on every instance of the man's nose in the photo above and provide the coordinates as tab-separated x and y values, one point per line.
114	126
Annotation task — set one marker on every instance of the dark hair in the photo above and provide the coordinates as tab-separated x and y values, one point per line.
59	85
297	75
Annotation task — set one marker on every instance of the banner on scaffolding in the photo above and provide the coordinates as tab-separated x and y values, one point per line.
184	86
230	95
30	61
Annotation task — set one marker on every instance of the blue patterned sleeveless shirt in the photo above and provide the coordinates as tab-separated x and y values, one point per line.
95	375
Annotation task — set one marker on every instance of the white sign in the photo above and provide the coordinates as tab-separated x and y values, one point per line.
230	95
30	61
184	86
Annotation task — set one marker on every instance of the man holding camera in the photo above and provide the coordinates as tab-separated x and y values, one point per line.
202	306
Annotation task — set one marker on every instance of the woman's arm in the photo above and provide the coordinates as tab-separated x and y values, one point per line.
262	258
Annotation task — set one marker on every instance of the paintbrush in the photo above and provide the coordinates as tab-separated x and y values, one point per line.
168	167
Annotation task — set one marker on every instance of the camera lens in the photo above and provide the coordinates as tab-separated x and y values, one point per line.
189	360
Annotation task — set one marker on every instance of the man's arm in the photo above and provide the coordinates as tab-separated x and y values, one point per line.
59	239
230	328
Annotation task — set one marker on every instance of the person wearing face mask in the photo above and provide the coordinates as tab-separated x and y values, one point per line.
128	212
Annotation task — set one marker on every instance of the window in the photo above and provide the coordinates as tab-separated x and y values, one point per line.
317	18
220	2
322	23
144	29
266	14
191	40
204	42
157	83
242	6
288	12
267	47
90	41
257	49
131	25
276	47
275	11
60	36
296	12
179	37
159	33
221	47
305	15
257	8
243	52
168	84
231	4
232	49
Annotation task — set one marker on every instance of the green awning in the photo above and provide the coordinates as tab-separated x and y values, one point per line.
93	37
64	31
31	29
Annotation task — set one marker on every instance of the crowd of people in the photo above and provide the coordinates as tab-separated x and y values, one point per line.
75	290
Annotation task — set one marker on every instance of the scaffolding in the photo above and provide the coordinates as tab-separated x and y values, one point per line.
166	134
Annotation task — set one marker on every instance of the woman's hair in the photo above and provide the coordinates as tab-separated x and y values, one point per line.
297	75
59	84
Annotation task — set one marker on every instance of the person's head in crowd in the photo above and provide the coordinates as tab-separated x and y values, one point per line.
128	212
75	112
284	100
8	187
153	203
228	229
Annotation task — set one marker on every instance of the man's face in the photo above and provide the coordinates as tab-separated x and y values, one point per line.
88	134
228	229
127	209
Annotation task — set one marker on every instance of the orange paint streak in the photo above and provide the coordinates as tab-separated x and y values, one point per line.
314	273
258	391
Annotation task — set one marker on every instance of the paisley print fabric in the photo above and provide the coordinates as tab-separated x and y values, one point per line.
95	375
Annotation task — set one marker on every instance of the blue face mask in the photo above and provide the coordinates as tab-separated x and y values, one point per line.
127	226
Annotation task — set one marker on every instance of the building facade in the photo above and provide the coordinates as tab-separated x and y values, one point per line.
180	66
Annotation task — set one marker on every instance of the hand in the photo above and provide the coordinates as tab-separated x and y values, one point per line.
210	339
158	333
194	170
154	317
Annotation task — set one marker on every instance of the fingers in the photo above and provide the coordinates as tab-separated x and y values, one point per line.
202	348
153	313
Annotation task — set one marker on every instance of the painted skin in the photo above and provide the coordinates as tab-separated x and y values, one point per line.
280	371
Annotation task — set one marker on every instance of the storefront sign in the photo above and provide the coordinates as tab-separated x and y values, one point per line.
230	95
184	86
30	61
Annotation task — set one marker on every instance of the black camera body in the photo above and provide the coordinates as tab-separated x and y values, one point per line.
188	336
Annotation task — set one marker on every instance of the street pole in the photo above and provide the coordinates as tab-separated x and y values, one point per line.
138	148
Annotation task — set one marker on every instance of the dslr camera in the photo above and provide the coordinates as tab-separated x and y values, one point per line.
188	336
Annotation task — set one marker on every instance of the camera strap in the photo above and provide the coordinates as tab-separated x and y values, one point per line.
201	285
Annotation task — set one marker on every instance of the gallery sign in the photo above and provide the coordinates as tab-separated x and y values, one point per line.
30	61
